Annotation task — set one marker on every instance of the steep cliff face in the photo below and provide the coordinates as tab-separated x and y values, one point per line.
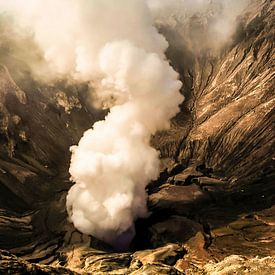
215	194
230	100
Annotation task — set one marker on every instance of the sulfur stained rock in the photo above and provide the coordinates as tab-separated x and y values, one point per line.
168	254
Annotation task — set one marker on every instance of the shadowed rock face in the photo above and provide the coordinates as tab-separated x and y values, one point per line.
214	197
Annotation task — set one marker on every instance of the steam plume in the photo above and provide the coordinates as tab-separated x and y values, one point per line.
201	24
115	47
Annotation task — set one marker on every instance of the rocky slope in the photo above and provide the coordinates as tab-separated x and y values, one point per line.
214	197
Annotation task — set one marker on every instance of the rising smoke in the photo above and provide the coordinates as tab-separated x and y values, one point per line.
202	25
115	46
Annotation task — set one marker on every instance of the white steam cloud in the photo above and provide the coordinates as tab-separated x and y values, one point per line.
114	46
200	24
